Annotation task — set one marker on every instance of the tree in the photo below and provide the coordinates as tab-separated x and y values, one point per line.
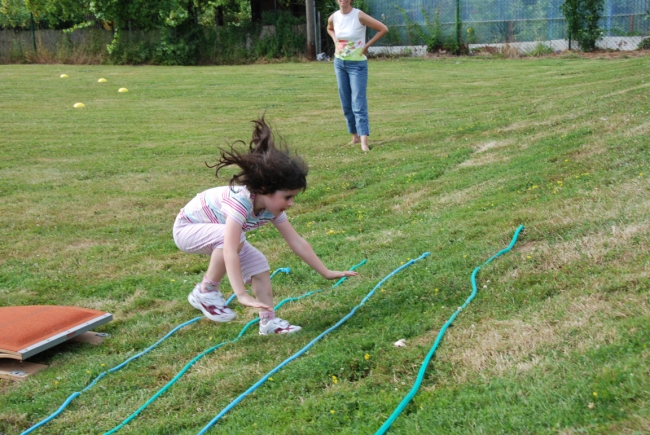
13	14
52	14
582	18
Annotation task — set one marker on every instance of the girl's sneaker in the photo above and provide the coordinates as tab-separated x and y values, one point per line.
278	326
212	304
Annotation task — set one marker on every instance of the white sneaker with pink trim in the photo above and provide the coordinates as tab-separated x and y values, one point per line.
212	304
278	326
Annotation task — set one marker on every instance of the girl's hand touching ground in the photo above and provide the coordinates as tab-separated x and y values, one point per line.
335	274
250	301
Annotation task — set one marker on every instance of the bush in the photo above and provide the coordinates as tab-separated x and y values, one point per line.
286	42
133	48
582	19
451	45
180	45
644	44
540	50
431	34
226	45
209	45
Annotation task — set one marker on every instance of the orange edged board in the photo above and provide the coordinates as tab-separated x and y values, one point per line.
26	331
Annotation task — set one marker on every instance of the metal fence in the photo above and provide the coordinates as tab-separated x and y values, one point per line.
50	44
519	23
90	45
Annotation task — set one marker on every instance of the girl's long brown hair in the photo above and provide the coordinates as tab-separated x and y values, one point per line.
265	168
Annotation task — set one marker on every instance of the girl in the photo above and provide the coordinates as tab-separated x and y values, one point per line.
215	222
347	27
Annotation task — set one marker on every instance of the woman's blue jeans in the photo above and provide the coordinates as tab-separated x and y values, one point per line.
352	77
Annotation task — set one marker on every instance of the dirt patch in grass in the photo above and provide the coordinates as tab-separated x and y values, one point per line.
388	236
637	424
13	418
639	130
594	246
483	159
211	365
609	54
463	196
551	121
494	348
480	148
409	200
625	91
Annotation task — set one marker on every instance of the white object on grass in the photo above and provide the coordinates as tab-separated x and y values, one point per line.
400	343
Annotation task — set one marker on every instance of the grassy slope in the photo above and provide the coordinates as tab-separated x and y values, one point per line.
464	151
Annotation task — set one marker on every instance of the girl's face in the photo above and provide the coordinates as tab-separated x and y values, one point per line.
280	200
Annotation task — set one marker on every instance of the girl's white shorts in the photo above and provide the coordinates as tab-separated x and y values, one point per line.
205	238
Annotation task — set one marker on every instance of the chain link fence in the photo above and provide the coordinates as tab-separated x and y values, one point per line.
220	45
522	25
84	45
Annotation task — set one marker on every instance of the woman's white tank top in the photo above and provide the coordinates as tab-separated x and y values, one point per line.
351	35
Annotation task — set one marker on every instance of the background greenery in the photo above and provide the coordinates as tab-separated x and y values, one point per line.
200	32
464	150
173	32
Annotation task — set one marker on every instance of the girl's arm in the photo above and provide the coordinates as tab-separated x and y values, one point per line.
233	266
376	25
304	250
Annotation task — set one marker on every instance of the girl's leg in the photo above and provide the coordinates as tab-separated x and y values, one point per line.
216	271
269	324
345	93
261	285
206	295
256	268
204	239
217	267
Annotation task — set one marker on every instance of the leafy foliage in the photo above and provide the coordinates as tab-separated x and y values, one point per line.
431	33
582	18
169	32
54	14
644	44
541	50
285	42
505	31
13	13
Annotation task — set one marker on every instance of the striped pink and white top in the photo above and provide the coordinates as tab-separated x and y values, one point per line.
214	205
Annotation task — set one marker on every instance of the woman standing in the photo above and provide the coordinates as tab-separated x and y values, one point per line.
347	27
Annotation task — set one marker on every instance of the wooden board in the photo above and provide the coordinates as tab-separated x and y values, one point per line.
91	337
26	331
18	370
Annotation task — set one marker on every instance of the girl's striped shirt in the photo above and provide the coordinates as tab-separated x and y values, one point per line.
214	205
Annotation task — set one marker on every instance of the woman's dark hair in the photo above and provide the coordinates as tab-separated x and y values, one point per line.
265	168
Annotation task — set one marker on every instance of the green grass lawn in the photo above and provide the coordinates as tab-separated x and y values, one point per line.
464	151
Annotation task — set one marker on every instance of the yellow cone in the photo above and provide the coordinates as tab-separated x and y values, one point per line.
123	90
102	80
79	105
64	76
